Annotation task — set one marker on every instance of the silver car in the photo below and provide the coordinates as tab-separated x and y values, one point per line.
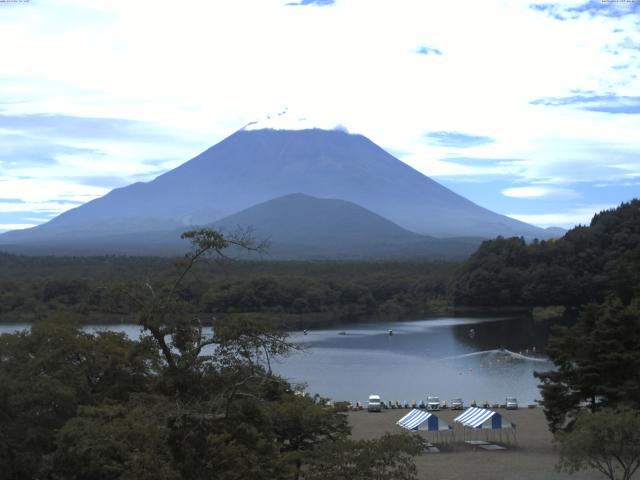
511	403
456	404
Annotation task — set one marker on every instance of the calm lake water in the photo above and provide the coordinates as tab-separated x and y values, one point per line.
475	358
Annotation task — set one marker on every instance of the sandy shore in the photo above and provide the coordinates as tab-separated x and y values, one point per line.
533	457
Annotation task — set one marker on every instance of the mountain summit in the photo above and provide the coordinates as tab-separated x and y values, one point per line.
254	166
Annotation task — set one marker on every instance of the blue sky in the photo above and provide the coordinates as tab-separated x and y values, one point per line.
531	109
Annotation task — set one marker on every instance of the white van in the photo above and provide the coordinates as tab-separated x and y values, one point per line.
433	403
374	404
511	403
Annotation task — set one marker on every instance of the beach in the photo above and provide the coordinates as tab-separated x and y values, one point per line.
532	457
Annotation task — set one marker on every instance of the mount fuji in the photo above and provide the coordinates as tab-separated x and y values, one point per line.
255	165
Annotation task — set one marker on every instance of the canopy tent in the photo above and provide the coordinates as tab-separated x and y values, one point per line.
423	421
484	419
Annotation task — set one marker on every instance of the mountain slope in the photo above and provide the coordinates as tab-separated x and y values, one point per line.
297	226
302	218
251	167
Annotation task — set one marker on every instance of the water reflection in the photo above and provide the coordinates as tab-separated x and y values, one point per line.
436	356
475	358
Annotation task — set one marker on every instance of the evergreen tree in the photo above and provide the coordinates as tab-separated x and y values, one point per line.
597	362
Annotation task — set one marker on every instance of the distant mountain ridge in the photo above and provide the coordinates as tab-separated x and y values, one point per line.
253	167
300	217
296	226
299	225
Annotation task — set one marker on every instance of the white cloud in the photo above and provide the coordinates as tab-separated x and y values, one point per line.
15	226
539	191
567	219
36	194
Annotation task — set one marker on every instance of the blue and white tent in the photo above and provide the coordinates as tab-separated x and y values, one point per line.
422	420
482	419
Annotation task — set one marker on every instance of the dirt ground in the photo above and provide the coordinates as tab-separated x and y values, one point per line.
531	457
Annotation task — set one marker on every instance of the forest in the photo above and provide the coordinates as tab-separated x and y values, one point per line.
298	293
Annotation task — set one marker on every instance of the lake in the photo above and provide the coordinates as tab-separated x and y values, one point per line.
476	358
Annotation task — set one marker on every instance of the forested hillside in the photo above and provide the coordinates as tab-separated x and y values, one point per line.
584	266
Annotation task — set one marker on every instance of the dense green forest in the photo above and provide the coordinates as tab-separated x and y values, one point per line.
584	266
301	293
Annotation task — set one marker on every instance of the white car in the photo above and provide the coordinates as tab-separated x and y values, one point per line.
456	404
374	404
433	403
511	403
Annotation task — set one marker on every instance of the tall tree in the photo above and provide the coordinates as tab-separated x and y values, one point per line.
597	361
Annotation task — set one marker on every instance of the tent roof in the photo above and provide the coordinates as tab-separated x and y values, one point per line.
474	417
415	418
482	418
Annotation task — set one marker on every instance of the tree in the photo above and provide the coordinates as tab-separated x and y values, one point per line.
303	422
116	441
47	373
608	441
387	458
597	361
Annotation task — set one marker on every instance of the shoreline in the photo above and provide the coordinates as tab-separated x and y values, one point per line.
294	321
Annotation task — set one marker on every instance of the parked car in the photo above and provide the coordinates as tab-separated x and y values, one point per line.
456	404
511	403
433	403
374	404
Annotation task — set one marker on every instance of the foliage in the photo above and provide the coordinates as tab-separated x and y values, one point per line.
608	441
389	458
597	361
47	373
125	441
584	266
97	289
